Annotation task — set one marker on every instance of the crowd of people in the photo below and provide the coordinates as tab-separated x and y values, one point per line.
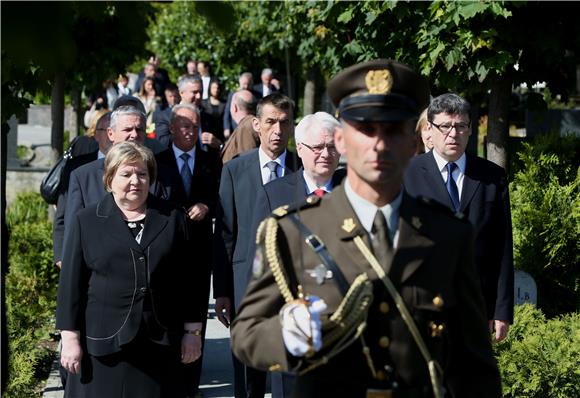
383	278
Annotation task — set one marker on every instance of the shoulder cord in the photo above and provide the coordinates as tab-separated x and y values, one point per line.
435	371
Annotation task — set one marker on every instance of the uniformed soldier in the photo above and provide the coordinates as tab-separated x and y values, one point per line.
368	292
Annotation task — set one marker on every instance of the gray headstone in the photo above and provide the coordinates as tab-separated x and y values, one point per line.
525	290
12	144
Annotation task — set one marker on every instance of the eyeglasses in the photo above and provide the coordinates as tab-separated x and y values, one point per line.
317	149
446	128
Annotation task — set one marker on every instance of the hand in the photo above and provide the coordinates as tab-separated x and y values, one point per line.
210	139
301	326
71	353
197	212
190	348
223	307
227	133
501	329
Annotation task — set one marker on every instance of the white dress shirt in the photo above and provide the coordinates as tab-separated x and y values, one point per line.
265	171
311	185
458	173
366	211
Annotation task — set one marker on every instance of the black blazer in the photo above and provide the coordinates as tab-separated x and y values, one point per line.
240	183
485	202
110	284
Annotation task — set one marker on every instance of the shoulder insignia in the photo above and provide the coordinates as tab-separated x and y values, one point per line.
348	225
312	199
280	211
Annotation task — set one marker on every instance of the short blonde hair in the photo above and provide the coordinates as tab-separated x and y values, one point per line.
94	120
128	152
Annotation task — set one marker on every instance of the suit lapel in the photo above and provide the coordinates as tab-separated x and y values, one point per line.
432	178
414	245
470	184
114	223
155	222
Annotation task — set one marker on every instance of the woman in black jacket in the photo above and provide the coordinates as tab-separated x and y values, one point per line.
128	309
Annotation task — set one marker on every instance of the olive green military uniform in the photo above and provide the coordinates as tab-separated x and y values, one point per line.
368	348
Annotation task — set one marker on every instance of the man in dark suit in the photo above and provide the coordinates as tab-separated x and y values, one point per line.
478	189
369	292
241	179
86	182
58	225
265	87
314	137
190	178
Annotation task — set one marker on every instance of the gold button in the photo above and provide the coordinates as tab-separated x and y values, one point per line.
438	301
436	330
381	375
275	368
384	342
384	307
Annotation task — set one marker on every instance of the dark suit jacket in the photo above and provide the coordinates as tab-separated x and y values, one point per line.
58	223
161	118
204	189
433	259
258	91
485	203
239	186
110	284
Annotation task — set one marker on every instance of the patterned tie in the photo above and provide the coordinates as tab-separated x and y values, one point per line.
451	186
319	192
186	173
381	242
272	166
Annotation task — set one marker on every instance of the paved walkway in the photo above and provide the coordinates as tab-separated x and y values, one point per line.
217	376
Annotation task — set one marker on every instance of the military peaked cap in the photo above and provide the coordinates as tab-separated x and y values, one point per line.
382	90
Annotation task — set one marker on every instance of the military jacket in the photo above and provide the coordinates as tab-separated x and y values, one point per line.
432	268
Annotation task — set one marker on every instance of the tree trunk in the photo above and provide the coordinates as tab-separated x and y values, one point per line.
288	74
77	108
310	92
57	113
498	123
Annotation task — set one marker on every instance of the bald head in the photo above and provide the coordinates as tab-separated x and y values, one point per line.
243	104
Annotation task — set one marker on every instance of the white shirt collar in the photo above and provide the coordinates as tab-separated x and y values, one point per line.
442	163
265	172
100	155
311	185
177	152
366	211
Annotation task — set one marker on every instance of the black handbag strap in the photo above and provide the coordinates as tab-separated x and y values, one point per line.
316	244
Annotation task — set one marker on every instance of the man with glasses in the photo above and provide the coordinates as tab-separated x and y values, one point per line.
478	189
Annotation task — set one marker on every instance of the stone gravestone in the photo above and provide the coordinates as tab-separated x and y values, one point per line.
525	290
12	144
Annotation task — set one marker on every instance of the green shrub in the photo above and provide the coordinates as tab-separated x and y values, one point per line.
31	284
546	223
28	207
540	358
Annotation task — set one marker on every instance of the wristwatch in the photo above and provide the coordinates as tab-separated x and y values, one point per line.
196	332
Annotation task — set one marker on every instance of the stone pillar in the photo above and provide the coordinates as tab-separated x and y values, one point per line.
11	156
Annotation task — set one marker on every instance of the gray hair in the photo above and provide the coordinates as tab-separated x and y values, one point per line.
267	71
248	75
242	104
321	121
185	80
174	110
126	110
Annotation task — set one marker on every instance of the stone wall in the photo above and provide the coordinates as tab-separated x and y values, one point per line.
23	180
39	115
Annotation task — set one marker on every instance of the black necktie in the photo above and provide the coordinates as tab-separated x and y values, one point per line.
451	186
186	173
381	242
272	166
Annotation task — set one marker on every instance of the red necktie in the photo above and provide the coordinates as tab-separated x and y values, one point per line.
319	192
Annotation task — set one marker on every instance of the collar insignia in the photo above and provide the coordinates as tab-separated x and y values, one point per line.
416	222
320	273
379	81
348	225
281	211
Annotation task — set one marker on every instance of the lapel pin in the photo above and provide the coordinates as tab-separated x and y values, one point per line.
416	222
348	225
320	273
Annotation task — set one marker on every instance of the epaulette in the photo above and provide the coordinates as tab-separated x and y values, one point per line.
282	211
441	207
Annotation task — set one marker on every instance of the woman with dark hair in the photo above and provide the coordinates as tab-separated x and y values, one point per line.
129	310
213	108
149	98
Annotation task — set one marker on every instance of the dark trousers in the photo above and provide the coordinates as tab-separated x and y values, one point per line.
191	373
248	382
282	384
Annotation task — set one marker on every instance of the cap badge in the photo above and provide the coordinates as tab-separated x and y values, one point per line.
379	81
348	225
